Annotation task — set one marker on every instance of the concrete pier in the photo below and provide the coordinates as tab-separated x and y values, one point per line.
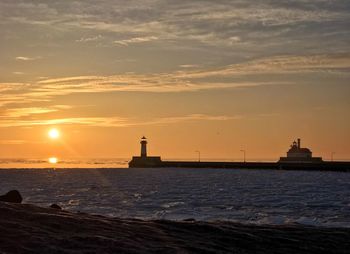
297	159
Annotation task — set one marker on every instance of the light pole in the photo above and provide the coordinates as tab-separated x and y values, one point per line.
199	155
243	155
332	154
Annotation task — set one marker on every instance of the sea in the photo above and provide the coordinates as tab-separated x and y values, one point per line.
107	187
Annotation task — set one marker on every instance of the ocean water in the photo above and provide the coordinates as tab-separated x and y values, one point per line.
64	163
248	196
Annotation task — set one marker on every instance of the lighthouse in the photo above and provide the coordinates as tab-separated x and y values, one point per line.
143	147
298	154
144	161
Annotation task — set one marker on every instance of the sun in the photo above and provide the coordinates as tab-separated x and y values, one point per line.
54	133
53	160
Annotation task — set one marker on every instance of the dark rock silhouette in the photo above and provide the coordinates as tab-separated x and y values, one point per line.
55	206
12	196
189	220
30	229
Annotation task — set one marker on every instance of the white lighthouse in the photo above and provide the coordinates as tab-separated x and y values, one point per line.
143	147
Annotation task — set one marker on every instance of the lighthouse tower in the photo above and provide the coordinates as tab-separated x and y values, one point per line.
143	147
144	161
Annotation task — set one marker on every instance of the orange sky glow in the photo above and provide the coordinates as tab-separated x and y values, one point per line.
215	78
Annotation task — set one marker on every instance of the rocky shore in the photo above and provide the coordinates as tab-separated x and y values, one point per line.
30	229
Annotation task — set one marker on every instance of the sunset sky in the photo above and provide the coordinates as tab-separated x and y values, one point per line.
216	76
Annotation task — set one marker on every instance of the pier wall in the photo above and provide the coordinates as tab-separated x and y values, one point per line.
319	166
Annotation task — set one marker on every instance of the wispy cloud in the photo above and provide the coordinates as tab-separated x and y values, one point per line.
89	39
134	40
13	87
25	58
20	112
192	117
204	31
280	65
113	121
12	142
187	80
18	73
216	23
93	121
189	66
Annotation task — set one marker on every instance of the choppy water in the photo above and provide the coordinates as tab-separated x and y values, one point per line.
249	196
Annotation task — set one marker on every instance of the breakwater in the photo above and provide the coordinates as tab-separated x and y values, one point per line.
156	162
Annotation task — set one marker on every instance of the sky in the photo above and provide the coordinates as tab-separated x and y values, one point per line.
211	76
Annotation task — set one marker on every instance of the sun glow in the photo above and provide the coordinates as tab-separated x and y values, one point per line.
53	160
54	133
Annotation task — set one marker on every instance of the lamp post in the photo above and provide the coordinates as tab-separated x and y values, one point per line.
199	155
243	155
332	154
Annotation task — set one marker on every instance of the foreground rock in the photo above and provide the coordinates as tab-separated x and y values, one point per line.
55	206
31	229
12	196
